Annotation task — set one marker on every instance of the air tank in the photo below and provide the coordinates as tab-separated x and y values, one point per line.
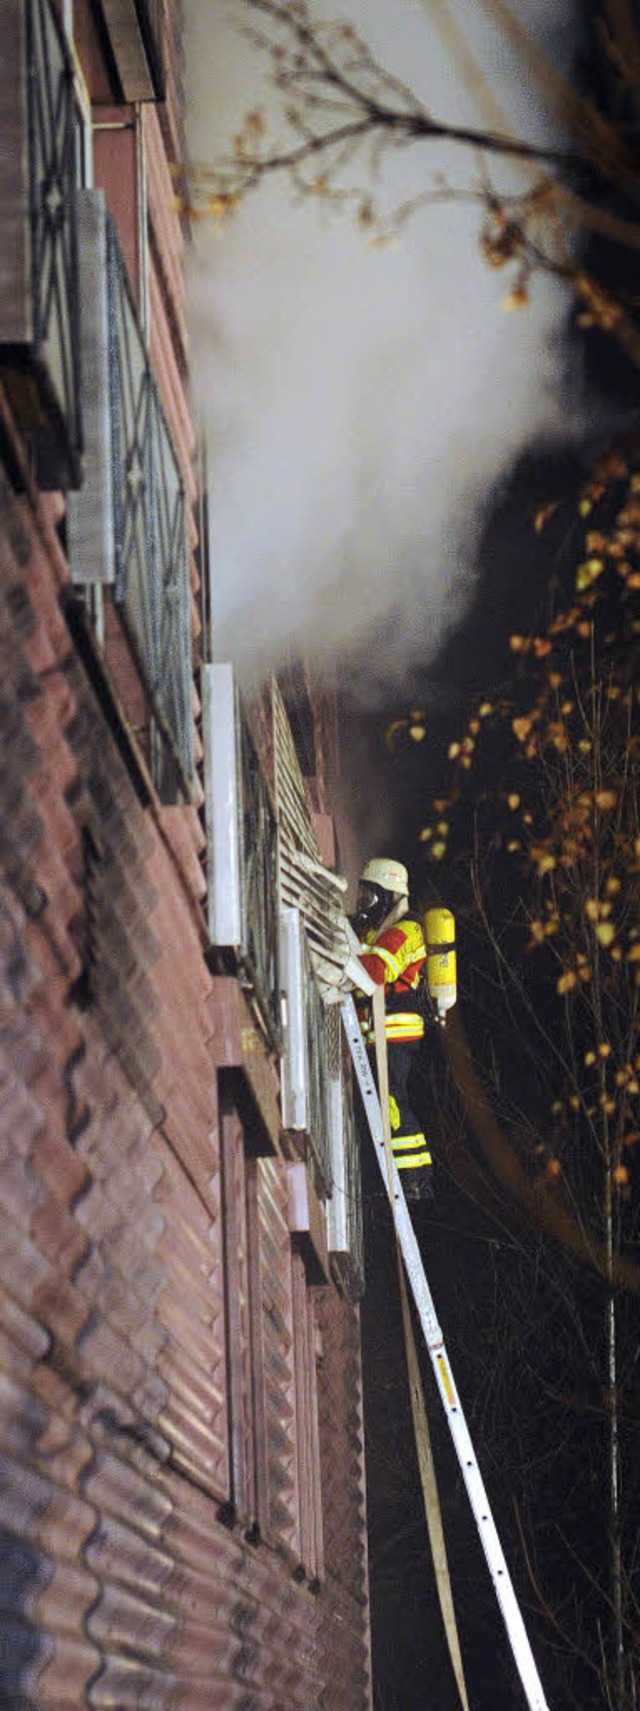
440	939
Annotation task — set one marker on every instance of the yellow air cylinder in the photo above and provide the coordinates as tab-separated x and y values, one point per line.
440	939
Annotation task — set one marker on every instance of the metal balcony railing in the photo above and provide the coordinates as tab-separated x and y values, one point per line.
242	858
38	267
150	539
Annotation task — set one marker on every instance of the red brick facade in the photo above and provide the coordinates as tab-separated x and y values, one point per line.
182	1508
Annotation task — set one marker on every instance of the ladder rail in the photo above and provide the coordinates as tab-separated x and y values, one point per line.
487	1531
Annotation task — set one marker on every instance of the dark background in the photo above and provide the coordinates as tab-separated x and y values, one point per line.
516	1311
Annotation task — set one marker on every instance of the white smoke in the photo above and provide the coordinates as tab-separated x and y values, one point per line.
360	403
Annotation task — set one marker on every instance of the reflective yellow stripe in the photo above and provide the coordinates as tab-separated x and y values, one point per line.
402	1018
414	1147
402	1142
388	960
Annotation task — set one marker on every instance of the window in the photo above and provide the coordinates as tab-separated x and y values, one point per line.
127	525
271	1354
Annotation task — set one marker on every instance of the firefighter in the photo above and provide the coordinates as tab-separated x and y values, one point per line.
393	951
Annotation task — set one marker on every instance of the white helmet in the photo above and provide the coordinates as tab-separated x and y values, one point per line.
389	874
383	895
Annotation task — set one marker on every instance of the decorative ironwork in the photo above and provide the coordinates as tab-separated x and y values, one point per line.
39	309
152	571
53	143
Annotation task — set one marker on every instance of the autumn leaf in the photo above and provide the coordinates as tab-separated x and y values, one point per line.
536	928
558	735
567	982
544	859
521	728
588	573
542	516
516	299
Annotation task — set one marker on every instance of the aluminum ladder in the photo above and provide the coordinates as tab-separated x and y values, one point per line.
516	1631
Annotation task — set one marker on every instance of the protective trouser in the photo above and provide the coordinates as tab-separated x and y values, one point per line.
408	1141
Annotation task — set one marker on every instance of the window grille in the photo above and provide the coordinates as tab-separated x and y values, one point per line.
38	175
128	524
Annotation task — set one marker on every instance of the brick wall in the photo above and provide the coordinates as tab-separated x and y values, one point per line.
131	1576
